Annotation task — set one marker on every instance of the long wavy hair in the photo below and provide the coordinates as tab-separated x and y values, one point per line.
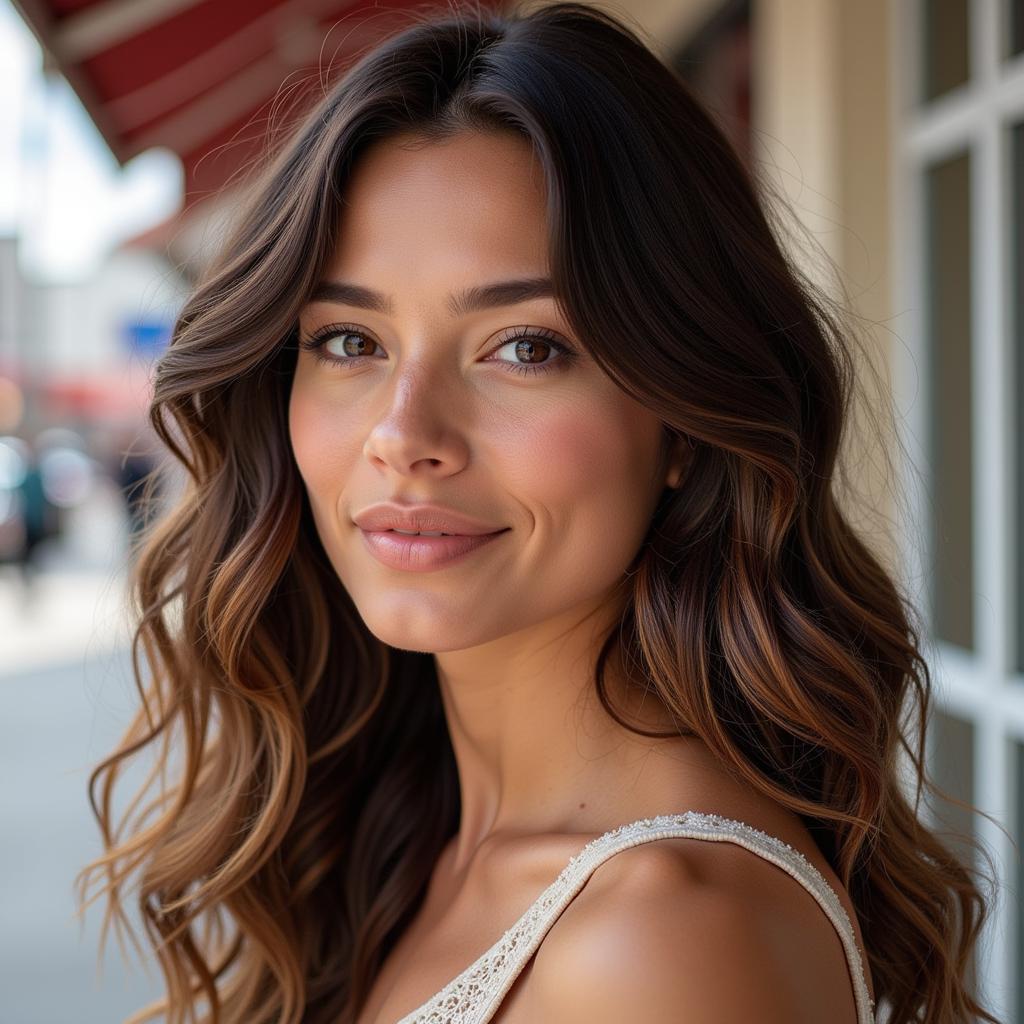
312	779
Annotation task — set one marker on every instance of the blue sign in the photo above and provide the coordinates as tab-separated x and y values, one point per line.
147	337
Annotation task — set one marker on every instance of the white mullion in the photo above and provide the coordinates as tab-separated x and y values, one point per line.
962	665
945	126
910	391
1010	111
1012	874
1010	82
1011	115
989	398
996	951
964	696
991	409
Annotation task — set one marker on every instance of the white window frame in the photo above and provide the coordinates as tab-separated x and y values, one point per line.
981	686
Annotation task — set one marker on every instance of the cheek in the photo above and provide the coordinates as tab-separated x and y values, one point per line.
589	470
323	443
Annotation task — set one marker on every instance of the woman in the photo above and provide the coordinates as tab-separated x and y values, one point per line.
509	283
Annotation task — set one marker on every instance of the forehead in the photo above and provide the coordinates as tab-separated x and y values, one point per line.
453	204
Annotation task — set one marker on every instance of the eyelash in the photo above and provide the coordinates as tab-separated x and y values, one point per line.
314	343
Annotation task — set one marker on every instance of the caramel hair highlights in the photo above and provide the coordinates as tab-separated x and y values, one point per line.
305	782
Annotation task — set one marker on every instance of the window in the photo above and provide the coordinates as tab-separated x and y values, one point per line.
958	217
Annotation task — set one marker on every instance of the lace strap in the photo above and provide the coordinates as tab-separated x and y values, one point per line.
474	996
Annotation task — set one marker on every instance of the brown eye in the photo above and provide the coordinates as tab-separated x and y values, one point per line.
530	351
532	348
354	345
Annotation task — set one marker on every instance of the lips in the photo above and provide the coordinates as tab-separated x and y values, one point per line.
423	519
412	551
423	554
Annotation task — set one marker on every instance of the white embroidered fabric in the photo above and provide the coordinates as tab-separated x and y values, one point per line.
474	996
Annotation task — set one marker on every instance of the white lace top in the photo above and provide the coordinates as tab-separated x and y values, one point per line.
474	996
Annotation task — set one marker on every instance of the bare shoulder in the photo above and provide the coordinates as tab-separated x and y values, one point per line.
708	928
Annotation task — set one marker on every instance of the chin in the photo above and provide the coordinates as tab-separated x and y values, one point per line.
420	629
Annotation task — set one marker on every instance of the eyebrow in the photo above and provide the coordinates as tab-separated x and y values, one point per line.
501	293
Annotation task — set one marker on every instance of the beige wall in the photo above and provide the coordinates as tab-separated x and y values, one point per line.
821	118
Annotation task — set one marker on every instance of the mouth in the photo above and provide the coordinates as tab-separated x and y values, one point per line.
422	533
437	533
424	552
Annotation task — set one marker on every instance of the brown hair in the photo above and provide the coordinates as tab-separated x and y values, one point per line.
314	781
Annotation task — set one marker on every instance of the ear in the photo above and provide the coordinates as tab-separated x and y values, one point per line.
678	458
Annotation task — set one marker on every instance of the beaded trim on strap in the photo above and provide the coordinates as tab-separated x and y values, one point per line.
473	996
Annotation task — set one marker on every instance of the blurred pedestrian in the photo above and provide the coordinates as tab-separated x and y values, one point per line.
41	518
133	468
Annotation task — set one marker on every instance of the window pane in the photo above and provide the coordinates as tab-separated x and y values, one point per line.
951	767
944	61
948	354
1015	34
951	742
1017	326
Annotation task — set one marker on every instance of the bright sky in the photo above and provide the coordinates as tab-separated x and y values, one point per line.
60	187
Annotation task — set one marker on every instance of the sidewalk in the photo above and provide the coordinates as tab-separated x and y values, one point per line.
72	615
67	693
75	607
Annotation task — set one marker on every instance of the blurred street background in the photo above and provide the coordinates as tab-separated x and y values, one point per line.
83	310
893	128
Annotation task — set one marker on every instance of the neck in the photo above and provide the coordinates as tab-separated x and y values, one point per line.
537	752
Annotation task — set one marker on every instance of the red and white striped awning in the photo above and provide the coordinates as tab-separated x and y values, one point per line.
206	78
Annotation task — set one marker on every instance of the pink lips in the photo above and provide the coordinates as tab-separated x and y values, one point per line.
422	554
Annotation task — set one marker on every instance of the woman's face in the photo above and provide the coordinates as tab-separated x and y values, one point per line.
476	409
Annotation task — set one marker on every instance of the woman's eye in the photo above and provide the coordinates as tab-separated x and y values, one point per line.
532	350
347	344
351	344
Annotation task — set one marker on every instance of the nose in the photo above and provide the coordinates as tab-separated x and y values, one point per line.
417	432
